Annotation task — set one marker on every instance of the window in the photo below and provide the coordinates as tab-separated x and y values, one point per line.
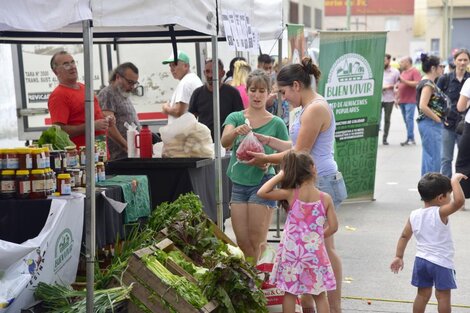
293	12
392	24
307	16
435	42
318	19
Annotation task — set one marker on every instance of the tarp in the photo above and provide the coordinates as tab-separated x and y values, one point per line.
125	21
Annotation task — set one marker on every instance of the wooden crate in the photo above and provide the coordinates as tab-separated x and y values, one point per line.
167	245
150	290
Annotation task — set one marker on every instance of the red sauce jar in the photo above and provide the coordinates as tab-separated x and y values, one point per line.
7	184
38	184
23	184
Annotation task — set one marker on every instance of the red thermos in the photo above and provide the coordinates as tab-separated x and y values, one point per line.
145	142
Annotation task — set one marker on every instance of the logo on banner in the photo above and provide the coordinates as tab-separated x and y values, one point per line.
349	77
63	249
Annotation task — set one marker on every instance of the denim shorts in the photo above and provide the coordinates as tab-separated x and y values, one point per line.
427	274
334	186
247	194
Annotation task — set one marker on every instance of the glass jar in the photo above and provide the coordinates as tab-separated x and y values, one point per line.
49	181
25	160
75	177
8	184
82	150
38	184
63	184
55	160
11	159
71	155
23	184
2	157
38	158
47	157
100	171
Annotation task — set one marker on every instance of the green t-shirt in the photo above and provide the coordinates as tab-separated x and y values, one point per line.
249	175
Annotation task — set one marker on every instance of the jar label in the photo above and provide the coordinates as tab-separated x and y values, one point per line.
40	161
12	163
38	185
101	176
8	186
65	189
29	161
71	160
83	158
24	187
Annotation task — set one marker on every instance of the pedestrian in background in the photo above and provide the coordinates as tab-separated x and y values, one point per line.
451	84
409	79
390	79
432	105
302	266
462	165
430	225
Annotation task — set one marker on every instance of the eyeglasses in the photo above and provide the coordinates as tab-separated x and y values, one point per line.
131	82
69	65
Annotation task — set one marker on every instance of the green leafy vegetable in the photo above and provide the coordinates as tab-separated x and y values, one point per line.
57	137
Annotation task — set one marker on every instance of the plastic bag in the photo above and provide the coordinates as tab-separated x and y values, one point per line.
249	143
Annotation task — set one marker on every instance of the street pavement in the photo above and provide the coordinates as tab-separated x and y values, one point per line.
368	234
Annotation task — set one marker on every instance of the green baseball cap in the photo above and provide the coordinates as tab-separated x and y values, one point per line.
183	57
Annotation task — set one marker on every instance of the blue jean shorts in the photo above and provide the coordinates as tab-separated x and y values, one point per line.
247	194
334	186
427	274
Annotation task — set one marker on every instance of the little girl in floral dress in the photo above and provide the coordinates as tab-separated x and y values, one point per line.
302	265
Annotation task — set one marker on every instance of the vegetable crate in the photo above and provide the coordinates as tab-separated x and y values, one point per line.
152	292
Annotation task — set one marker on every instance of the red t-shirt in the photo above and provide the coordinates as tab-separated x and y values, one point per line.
406	93
67	106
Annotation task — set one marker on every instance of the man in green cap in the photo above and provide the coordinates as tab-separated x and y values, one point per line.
188	82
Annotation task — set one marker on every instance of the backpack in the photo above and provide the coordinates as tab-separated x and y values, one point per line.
454	119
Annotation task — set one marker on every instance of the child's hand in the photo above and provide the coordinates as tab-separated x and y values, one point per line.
458	177
397	265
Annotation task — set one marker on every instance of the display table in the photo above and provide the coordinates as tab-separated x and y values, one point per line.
171	177
21	220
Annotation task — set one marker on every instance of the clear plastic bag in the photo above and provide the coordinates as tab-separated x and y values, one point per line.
249	143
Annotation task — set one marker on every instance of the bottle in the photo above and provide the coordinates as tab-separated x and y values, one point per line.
8	184
63	184
145	142
23	184
38	184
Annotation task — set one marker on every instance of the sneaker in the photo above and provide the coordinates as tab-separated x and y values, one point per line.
404	143
385	143
412	142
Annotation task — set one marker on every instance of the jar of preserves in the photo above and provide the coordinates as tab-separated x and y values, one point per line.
7	184
25	159
55	160
38	158
38	184
100	171
71	155
47	157
63	184
11	159
23	184
2	157
82	150
75	177
49	181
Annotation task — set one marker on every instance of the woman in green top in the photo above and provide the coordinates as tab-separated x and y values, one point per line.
251	215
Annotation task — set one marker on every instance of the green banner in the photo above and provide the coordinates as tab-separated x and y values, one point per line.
352	72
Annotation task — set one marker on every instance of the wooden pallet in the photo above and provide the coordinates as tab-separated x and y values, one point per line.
151	291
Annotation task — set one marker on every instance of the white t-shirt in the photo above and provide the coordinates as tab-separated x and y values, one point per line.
184	90
465	91
433	238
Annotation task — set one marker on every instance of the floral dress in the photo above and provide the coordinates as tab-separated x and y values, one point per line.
302	265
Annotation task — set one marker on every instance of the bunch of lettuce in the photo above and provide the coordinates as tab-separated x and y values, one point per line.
57	137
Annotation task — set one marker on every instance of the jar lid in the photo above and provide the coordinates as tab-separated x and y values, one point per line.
99	163
47	170
11	150
35	150
8	172
63	176
82	148
70	148
23	150
37	171
72	170
22	172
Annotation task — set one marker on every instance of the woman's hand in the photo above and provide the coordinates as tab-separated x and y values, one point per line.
242	130
263	139
259	159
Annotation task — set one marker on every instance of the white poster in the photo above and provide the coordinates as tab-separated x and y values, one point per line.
51	257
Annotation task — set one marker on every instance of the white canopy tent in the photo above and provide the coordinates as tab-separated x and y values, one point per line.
128	21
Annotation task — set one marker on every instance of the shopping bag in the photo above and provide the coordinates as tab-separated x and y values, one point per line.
249	143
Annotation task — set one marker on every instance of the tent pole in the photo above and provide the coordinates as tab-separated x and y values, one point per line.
90	223
218	160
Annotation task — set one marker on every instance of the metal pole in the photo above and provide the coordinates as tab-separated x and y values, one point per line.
451	25
218	161
348	14
90	223
444	28
279	110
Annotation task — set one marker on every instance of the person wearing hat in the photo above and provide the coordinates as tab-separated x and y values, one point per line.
188	82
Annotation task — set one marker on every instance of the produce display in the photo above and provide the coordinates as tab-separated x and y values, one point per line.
249	143
218	271
57	137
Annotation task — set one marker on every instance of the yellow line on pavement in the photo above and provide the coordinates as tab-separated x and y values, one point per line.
399	301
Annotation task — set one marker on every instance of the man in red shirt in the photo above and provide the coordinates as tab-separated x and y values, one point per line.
67	101
409	79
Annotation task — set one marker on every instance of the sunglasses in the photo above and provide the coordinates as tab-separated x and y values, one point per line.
131	82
